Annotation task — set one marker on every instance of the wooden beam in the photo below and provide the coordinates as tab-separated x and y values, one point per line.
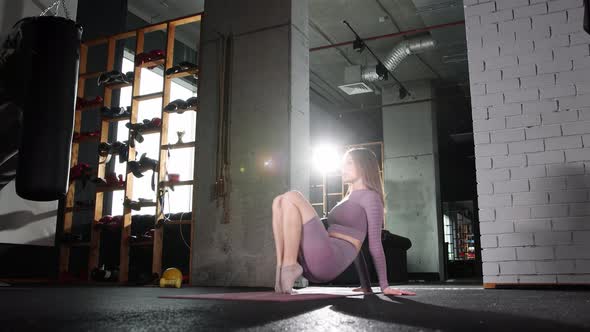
116	86
179	146
154	63
125	35
182	74
186	20
163	158
97	41
126	227
111	54
154	27
149	28
123	118
64	255
190	109
177	184
149	96
95	233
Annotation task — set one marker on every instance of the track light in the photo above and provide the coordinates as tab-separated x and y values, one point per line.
358	45
382	72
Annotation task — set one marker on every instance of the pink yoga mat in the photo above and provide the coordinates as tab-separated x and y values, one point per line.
305	294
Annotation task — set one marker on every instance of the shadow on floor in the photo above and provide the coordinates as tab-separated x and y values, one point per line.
405	311
389	310
127	308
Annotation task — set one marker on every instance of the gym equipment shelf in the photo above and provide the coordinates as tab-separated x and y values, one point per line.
182	74
167	62
117	119
115	86
177	184
154	63
149	96
179	146
184	110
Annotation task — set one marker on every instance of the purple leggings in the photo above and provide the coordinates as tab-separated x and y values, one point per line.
322	257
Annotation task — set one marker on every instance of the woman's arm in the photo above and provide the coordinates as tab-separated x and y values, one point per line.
374	210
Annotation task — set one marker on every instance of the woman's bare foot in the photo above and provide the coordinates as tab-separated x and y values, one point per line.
289	274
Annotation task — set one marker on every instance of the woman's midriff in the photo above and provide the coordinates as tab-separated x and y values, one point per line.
355	242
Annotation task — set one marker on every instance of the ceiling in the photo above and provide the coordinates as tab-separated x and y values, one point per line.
154	11
446	64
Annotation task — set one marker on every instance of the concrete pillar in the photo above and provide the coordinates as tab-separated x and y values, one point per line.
269	107
411	176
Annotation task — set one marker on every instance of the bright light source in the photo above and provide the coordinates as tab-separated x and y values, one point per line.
326	158
268	163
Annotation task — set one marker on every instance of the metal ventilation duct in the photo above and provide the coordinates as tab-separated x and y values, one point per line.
398	54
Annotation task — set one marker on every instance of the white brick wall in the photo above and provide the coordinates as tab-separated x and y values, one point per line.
529	63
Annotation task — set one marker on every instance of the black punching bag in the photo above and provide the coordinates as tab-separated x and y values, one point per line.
46	76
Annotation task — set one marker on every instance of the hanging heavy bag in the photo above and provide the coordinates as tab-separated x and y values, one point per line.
45	80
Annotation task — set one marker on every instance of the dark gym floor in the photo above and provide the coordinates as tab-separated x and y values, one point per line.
435	307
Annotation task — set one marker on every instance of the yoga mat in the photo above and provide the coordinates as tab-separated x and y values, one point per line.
305	294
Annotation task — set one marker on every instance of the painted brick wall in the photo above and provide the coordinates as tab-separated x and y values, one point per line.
529	65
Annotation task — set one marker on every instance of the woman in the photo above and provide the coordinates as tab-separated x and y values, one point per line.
300	236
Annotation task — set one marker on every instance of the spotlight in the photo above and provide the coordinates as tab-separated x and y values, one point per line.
358	45
382	72
268	163
326	158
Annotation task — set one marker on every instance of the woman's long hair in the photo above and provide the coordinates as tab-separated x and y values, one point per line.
366	163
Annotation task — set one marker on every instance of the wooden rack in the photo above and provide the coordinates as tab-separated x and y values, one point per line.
167	61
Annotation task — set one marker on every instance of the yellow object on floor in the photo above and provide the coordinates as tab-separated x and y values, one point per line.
172	277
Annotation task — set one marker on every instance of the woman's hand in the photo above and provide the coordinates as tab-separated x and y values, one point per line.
395	291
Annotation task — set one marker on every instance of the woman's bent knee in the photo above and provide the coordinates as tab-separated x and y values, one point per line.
277	200
293	196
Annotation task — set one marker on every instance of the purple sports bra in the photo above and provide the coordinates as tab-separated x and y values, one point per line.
358	216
